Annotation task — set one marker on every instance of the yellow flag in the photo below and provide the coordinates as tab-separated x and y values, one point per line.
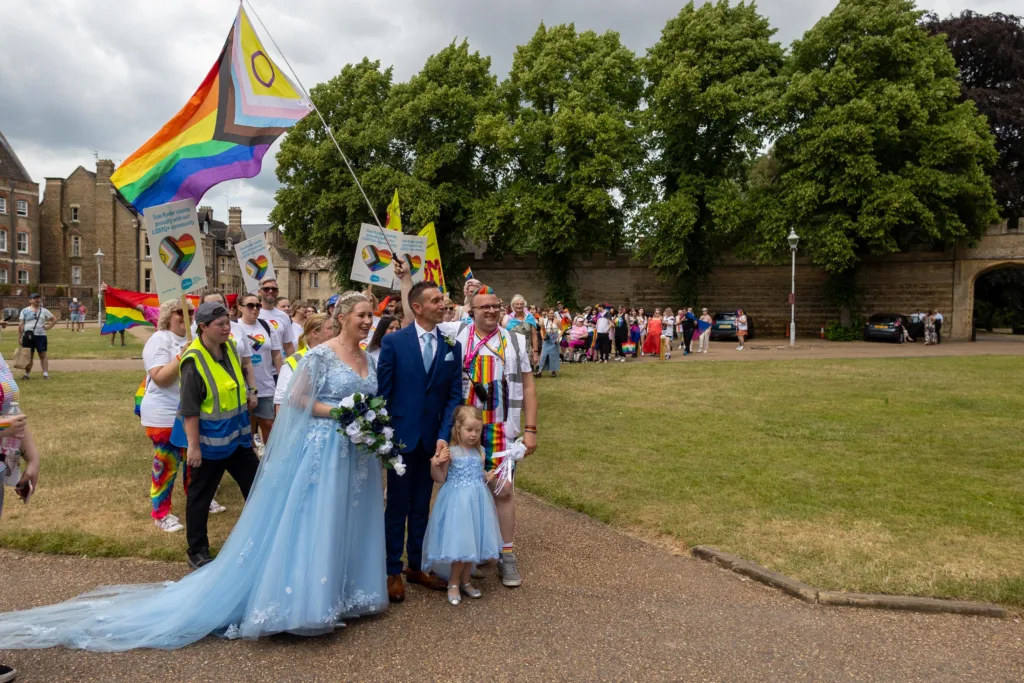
432	268
394	221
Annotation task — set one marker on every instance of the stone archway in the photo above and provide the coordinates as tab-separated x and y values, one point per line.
967	274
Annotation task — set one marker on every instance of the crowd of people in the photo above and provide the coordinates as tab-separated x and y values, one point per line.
256	394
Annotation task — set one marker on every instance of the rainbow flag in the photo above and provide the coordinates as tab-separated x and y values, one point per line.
467	273
244	104
140	393
125	308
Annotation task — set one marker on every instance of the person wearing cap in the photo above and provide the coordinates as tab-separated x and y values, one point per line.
212	423
33	324
73	315
331	303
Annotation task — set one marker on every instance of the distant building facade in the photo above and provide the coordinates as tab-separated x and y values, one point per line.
19	222
309	279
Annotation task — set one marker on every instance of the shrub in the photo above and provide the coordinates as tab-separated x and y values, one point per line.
836	331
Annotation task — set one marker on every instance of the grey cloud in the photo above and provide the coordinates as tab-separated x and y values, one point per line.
82	75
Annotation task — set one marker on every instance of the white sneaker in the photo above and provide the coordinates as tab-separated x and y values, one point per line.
169	524
216	508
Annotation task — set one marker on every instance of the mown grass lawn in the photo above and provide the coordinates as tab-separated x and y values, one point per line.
64	344
896	476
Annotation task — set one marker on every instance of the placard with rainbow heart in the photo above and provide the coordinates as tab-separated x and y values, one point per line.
413	250
255	262
174	229
372	262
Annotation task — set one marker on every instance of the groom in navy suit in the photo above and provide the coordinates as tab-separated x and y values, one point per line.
420	374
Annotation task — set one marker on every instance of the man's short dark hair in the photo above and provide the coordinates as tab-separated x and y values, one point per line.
418	289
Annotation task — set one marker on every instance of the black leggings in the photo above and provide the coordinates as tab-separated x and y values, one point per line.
604	345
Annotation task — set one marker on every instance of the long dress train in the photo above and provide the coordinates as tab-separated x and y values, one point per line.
307	551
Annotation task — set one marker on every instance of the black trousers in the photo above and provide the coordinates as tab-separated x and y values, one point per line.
202	486
938	331
619	353
408	502
604	345
687	338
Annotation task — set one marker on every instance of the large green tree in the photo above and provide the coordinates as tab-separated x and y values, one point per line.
711	79
989	51
876	151
319	206
561	150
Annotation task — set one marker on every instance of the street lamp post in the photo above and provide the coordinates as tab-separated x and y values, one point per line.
793	242
99	286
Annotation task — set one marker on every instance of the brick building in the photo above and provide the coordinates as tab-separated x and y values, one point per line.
19	222
309	279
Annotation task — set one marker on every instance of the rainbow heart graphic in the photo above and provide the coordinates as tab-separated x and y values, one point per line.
258	340
415	263
177	254
275	324
376	259
257	267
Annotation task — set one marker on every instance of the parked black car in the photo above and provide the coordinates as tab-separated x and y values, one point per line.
723	326
886	327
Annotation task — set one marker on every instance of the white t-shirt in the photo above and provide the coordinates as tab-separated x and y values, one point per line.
507	365
28	316
262	358
283	378
280	323
297	331
604	325
242	347
160	404
668	328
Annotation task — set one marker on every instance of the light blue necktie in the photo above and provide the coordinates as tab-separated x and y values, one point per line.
428	350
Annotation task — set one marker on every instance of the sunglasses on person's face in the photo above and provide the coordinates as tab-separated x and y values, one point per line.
270	289
251	306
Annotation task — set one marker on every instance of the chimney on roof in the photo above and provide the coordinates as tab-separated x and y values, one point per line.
104	169
207	211
235	219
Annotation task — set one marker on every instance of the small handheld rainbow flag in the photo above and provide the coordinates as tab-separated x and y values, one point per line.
468	273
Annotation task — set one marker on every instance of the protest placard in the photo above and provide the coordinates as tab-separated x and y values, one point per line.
254	261
413	251
174	229
372	262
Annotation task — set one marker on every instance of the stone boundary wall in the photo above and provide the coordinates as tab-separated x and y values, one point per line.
897	283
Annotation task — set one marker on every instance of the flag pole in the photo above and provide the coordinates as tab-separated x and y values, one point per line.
330	133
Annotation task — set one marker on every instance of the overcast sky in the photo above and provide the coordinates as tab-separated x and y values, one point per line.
79	77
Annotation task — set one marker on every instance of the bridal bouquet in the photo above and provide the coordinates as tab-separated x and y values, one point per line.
365	421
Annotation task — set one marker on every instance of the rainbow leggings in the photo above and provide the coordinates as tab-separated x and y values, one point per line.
167	460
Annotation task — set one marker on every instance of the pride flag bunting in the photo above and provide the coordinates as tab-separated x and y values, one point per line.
244	104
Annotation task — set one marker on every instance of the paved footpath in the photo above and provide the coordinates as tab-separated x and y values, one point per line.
595	605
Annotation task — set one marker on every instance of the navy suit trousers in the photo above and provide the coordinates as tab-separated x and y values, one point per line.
408	498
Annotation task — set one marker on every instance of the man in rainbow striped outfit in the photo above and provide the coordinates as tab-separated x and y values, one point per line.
497	378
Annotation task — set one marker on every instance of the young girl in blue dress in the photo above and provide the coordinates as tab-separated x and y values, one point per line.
463	529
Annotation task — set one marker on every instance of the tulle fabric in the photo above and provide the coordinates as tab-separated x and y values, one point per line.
306	553
463	524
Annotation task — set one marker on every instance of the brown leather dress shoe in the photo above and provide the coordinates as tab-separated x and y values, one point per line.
396	588
431	580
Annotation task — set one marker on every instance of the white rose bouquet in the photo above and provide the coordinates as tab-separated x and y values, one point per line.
365	421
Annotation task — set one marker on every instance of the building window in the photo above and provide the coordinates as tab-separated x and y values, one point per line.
3	240
146	237
146	280
22	277
314	280
22	208
3	204
76	275
3	276
76	245
22	242
222	266
74	214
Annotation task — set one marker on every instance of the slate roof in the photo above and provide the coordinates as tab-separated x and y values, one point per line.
11	167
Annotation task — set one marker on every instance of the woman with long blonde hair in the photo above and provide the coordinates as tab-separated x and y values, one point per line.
316	329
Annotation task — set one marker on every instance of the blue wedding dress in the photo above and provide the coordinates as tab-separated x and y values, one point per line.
306	553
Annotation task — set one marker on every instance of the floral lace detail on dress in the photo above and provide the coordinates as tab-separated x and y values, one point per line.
359	602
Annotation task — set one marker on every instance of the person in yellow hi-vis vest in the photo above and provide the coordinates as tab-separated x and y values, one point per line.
212	423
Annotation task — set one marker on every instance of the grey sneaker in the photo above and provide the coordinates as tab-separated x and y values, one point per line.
508	567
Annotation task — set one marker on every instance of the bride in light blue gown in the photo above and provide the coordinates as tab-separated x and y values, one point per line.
306	553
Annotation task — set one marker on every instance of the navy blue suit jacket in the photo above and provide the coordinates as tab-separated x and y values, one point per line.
421	403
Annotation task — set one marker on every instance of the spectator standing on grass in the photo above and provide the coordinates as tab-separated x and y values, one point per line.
521	321
668	331
687	326
279	320
704	341
652	341
15	427
266	359
161	357
33	323
641	321
72	315
938	326
603	326
212	423
621	333
551	330
81	317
